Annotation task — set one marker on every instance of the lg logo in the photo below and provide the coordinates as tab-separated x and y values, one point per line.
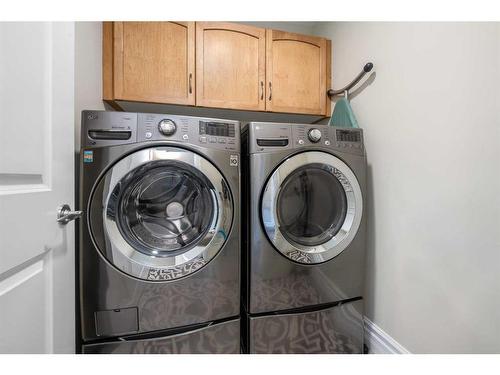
92	116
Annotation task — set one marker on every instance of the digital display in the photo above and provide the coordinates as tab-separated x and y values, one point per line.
219	129
348	135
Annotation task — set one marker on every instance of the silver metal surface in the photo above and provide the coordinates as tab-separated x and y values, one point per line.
167	127
332	248
314	135
274	282
220	338
212	292
335	330
65	215
126	257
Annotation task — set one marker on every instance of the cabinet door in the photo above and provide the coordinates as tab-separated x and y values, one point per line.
296	70
230	66
154	62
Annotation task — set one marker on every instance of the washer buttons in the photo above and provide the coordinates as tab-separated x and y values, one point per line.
167	127
203	139
148	135
185	137
300	141
314	135
327	143
213	140
222	140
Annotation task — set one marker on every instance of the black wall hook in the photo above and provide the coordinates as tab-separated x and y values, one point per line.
345	91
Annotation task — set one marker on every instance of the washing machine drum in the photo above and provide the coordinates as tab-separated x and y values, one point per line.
161	213
311	207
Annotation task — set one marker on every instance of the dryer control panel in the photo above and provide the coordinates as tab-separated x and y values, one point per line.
268	137
101	128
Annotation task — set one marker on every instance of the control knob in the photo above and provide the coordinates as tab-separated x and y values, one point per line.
314	135
167	127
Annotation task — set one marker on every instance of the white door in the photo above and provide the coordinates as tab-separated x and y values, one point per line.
36	176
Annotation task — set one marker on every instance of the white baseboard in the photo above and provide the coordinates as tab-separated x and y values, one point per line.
379	342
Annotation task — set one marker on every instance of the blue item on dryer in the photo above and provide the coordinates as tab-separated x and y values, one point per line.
343	115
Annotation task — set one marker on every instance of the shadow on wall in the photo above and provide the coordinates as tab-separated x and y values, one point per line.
364	85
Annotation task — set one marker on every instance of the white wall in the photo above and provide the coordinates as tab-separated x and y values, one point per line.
88	71
431	123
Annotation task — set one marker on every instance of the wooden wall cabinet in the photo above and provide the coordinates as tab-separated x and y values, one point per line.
237	66
230	66
296	73
149	62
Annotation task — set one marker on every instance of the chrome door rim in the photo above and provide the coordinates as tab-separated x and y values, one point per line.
342	239
135	263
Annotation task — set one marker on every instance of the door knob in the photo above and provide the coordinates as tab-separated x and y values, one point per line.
65	215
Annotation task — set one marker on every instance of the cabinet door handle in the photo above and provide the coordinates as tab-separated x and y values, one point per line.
270	91
190	83
261	90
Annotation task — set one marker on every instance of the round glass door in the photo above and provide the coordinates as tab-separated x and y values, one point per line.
166	212
312	207
165	207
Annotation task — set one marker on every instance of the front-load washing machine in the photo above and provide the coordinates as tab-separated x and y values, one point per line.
303	238
159	243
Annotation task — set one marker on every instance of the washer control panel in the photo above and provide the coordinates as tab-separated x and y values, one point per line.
216	132
206	132
102	128
266	137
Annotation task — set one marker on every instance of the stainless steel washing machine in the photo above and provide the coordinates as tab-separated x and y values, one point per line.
304	238
159	244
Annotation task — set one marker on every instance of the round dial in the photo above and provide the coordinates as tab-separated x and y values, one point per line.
314	135
167	127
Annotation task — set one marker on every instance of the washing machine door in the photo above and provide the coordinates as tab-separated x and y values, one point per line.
311	207
161	213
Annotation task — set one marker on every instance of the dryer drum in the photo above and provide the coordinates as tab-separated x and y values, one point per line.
311	207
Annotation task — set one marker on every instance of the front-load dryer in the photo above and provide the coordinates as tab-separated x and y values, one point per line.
304	241
159	245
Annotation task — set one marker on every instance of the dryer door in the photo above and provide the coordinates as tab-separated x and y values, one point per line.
161	213
312	207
